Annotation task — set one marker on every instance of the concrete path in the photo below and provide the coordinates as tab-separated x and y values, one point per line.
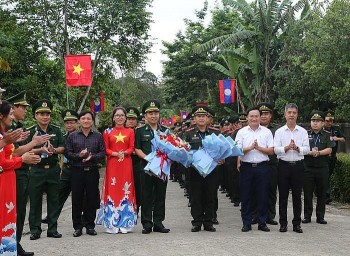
330	239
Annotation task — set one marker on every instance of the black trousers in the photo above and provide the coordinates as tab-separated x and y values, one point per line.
250	178
203	197
290	176
85	189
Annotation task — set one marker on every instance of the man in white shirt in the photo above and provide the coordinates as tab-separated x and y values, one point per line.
257	143
291	143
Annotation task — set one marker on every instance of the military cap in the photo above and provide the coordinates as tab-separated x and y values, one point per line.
132	112
211	112
233	119
42	106
177	124
19	99
200	110
242	117
265	107
317	115
224	122
329	115
69	115
151	105
189	116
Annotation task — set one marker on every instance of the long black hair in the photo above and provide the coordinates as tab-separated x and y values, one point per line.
115	110
5	108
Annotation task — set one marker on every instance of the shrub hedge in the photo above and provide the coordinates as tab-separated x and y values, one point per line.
340	180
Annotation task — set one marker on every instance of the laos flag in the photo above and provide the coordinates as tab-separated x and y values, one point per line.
227	91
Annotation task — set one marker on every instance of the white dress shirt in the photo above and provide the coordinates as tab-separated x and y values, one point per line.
245	138
283	137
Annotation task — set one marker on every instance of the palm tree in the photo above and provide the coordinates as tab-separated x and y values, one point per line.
256	36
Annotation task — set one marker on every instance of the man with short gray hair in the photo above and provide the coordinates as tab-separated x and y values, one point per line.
291	143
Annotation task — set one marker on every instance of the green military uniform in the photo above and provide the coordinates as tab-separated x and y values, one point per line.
316	171
334	131
22	174
44	177
65	186
133	112
153	188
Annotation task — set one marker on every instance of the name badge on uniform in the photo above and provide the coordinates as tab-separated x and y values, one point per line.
146	135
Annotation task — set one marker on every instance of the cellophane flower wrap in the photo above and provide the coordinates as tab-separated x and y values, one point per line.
215	148
167	147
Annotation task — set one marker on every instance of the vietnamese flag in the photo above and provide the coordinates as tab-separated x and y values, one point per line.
227	91
78	70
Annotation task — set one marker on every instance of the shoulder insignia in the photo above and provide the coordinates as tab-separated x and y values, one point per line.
31	127
325	131
140	126
190	129
56	126
214	128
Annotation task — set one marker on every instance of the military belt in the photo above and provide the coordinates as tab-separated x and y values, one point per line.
291	163
254	165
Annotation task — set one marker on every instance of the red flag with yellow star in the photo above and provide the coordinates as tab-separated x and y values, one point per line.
78	70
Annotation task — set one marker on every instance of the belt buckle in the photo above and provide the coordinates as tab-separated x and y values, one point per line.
254	164
86	169
46	166
293	163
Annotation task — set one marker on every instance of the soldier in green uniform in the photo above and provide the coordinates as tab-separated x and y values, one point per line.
337	136
70	119
132	114
203	190
45	176
153	188
316	168
19	105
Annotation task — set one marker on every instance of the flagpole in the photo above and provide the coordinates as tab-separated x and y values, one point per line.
67	97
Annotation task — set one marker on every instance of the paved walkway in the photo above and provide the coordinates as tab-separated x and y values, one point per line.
330	239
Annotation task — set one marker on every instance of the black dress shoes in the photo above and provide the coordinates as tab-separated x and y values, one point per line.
24	253
161	229
272	222
34	236
77	233
215	221
91	232
283	228
196	228
209	228
321	221
306	220
263	228
54	235
146	230
297	229
246	228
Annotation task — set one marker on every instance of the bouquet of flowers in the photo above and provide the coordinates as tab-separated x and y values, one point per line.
167	147
215	148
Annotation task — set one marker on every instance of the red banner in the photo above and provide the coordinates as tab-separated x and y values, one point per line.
78	70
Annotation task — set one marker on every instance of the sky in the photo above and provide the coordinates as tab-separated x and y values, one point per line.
168	17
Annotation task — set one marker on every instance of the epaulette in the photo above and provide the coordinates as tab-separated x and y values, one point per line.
31	127
214	128
190	129
56	126
140	126
328	132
